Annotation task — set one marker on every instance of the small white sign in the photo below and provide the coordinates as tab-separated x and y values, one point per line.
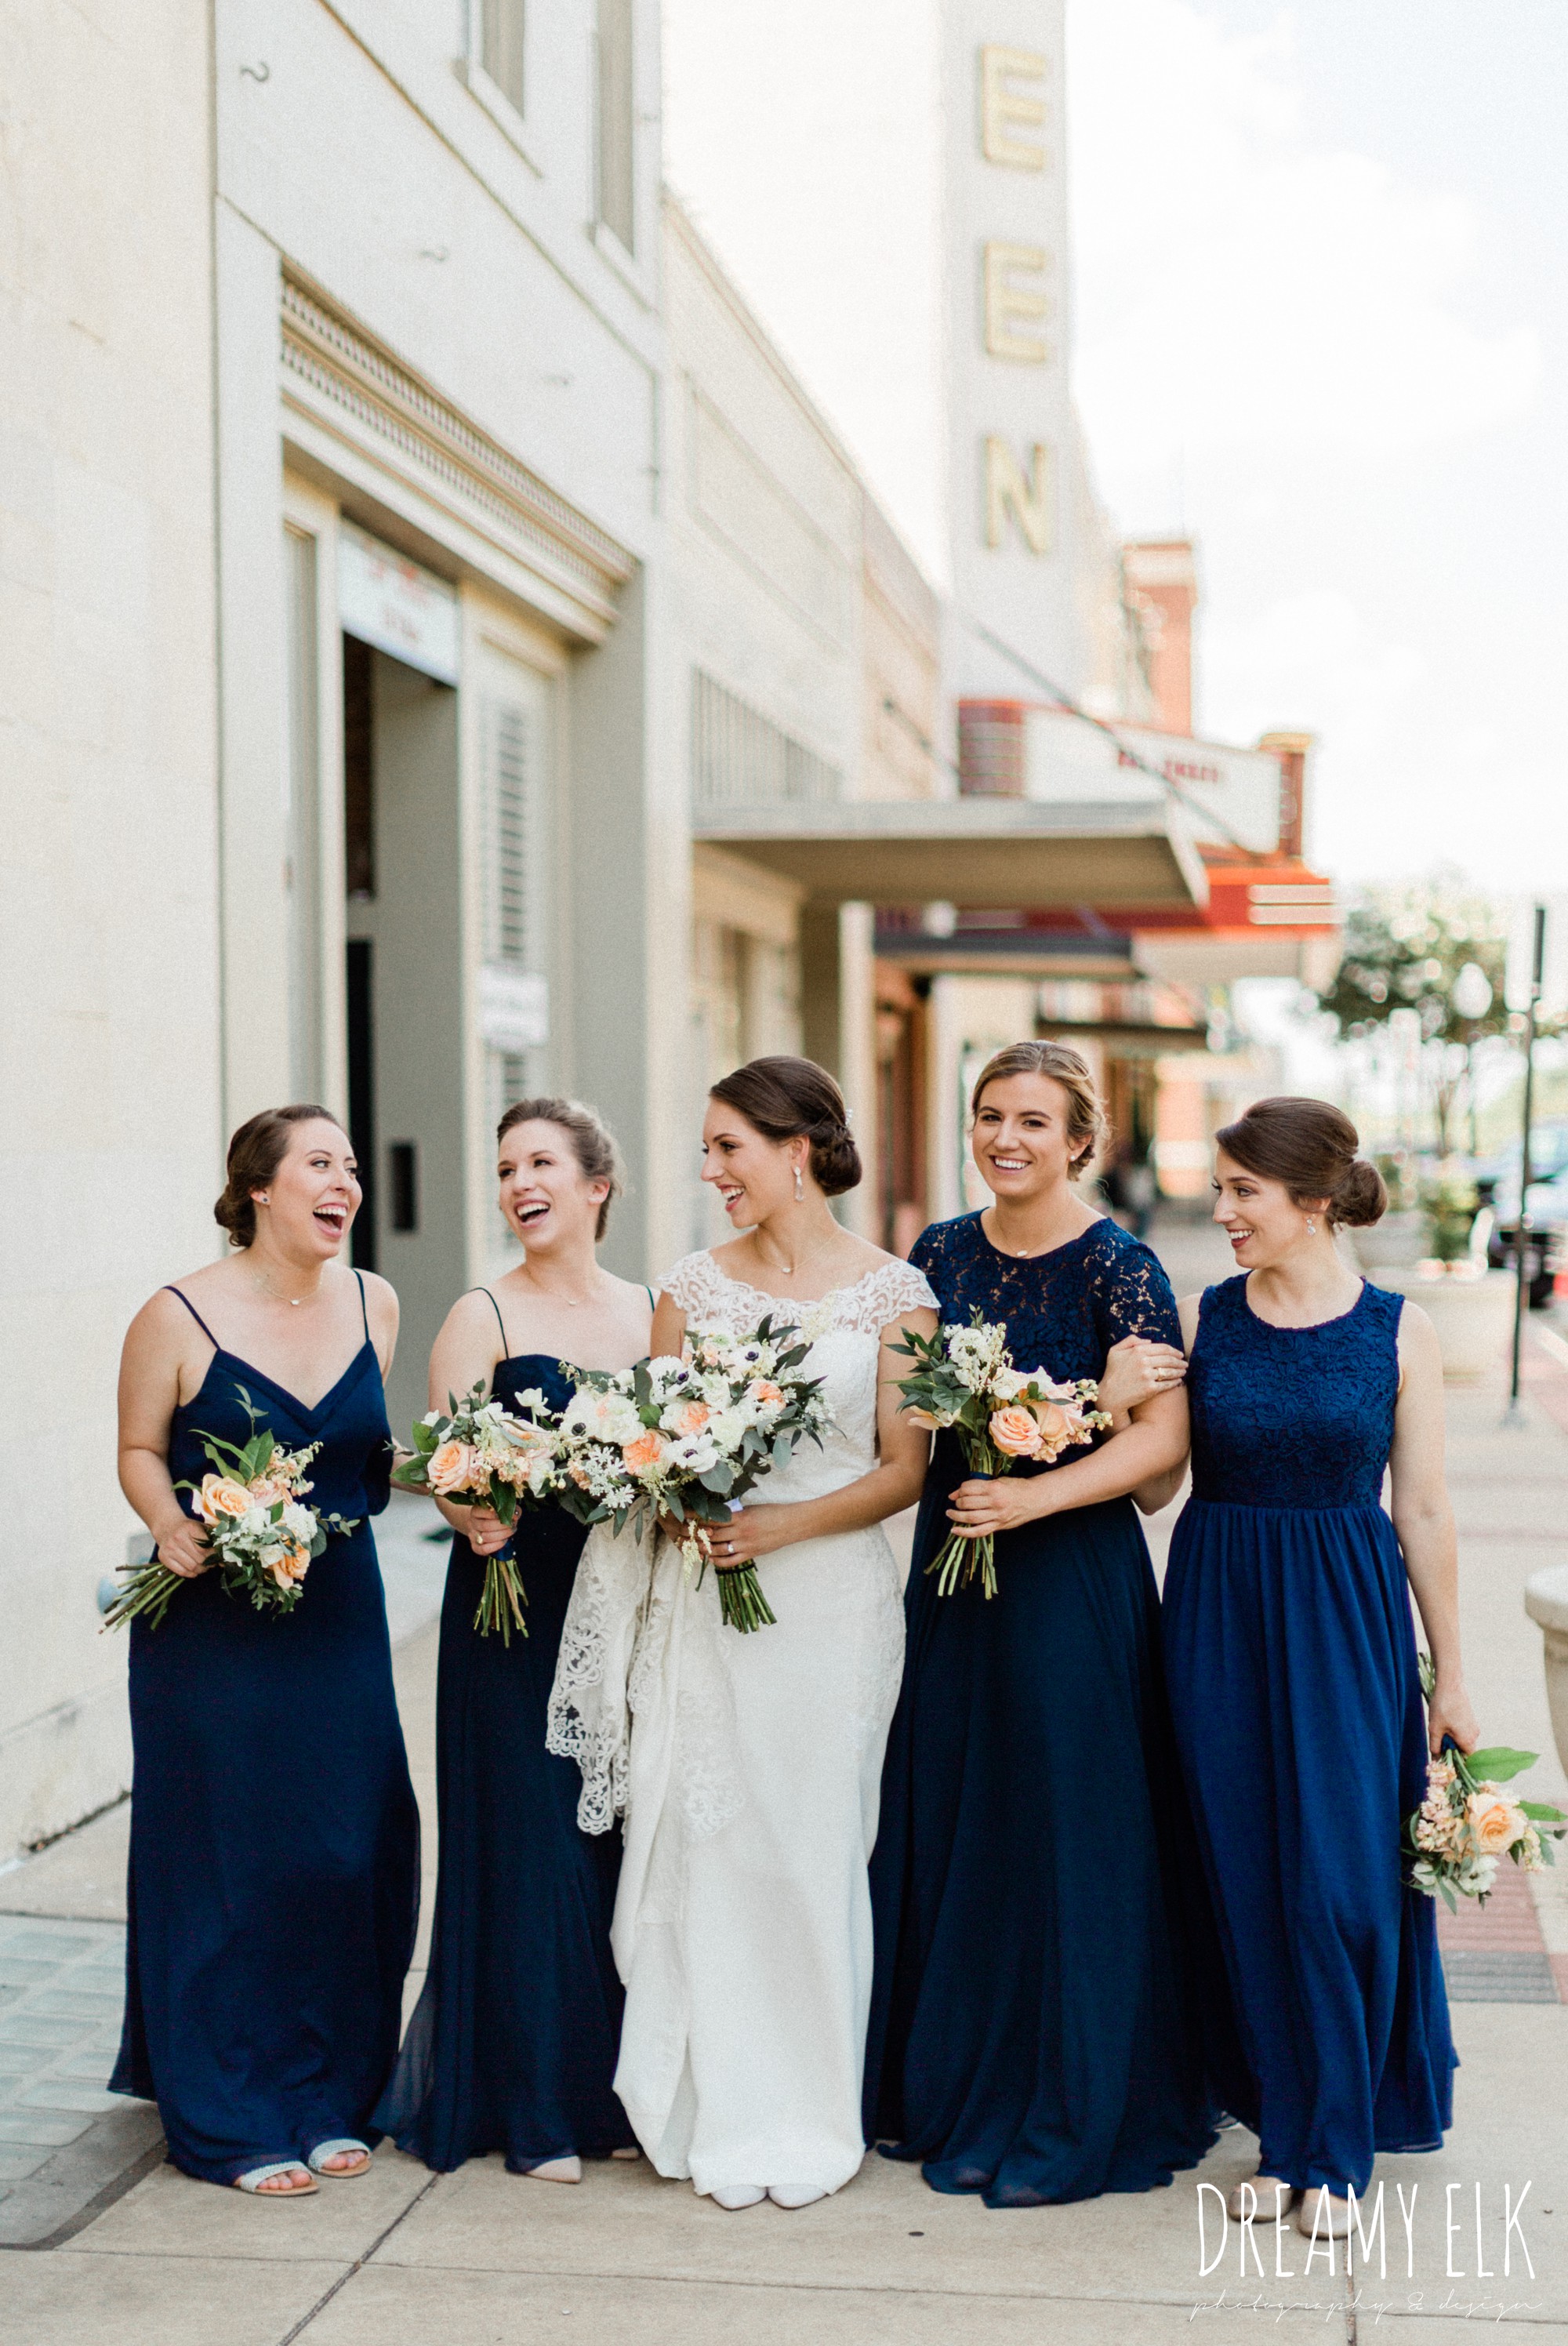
514	1008
394	604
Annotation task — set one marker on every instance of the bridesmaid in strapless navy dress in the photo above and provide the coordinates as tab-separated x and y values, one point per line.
274	1852
1034	2037
513	2044
1291	1660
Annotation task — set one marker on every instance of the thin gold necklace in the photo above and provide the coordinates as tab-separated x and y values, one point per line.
265	1284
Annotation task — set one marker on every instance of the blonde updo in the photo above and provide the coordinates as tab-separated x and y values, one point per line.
1089	1126
592	1142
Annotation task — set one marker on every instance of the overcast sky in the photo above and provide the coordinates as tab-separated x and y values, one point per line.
1320	257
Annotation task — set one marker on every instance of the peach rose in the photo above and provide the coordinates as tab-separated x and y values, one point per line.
1058	1425
220	1495
450	1465
644	1453
693	1417
766	1393
1015	1432
1495	1822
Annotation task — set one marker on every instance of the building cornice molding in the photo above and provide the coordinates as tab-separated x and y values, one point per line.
342	377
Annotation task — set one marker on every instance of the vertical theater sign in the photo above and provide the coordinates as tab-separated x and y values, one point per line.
1009	423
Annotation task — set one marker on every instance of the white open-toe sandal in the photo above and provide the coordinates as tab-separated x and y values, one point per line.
258	2176
335	2150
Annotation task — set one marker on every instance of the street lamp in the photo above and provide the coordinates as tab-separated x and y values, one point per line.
1514	1415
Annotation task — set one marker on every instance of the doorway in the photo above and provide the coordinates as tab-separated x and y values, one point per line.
403	986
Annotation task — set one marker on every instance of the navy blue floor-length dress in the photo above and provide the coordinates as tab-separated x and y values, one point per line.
1291	1658
274	1850
1035	2034
512	2046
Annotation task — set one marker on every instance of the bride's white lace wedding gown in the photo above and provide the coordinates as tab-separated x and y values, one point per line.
749	1781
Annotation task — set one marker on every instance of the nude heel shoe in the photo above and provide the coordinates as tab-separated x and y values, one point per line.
1263	2197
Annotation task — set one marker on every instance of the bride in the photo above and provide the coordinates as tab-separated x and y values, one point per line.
743	1922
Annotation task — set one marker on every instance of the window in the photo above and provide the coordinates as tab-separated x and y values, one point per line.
501	46
741	758
617	179
517	705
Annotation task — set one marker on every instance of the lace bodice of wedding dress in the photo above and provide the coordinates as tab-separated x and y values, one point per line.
844	1330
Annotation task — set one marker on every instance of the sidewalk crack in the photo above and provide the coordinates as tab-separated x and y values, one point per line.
357	2266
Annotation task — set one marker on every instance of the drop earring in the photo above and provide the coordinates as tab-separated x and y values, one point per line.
799	1186
1311	1225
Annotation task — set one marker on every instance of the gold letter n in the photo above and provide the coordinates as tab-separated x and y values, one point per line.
1026	496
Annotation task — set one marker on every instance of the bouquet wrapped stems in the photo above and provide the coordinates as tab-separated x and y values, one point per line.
741	1604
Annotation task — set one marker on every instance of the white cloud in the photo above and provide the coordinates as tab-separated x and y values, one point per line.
1240	287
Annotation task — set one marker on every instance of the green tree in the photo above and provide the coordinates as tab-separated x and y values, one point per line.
1412	948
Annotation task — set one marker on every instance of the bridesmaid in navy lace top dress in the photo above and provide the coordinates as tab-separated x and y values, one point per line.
1033	2034
1292	1663
274	1852
513	2045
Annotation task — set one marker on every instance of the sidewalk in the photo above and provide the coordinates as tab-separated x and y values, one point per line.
484	2259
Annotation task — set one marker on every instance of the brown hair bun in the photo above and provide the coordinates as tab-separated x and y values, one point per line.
1312	1147
255	1153
786	1097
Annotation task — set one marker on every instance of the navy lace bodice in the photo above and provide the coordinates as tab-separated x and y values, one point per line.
1064	1309
1293	1417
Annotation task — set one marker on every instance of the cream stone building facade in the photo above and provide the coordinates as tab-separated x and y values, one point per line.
451	656
407	532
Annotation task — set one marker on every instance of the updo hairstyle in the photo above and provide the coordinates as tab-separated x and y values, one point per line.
593	1143
1311	1149
255	1153
1089	1126
787	1098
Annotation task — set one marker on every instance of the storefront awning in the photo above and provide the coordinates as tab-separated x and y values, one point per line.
981	852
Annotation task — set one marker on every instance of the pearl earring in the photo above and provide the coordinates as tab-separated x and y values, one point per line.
799	1186
1311	1225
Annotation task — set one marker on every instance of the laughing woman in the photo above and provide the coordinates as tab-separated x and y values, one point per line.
274	1850
513	2045
1033	2037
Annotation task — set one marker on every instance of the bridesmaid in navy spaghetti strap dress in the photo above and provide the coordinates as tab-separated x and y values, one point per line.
513	2044
1291	1660
274	1853
1034	2034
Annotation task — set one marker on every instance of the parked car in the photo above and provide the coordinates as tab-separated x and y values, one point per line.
1547	1236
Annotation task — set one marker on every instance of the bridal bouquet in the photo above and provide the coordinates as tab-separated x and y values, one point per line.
480	1455
964	1379
262	1537
688	1438
1453	1841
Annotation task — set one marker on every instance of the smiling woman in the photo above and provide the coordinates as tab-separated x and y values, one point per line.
268	1936
1034	2031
